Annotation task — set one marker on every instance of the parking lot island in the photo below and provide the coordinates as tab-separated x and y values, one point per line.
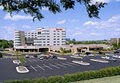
22	69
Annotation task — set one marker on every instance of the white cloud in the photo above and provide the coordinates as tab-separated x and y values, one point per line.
113	22
17	17
26	26
73	20
77	33
7	32
114	18
61	22
45	8
90	23
104	1
1	7
95	34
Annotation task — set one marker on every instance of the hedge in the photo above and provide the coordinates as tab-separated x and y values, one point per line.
106	72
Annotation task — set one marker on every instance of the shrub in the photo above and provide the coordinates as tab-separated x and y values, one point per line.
75	77
55	79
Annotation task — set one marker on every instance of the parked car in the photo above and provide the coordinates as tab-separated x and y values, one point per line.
53	57
27	56
115	56
105	57
112	59
76	54
1	55
43	57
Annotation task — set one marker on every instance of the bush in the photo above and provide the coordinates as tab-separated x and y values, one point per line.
75	77
1	55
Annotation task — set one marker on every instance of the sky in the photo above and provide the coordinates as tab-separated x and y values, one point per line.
76	22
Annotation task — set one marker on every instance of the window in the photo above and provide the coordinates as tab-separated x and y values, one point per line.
39	32
44	45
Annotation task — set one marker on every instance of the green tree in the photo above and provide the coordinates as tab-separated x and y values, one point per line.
22	59
116	46
34	7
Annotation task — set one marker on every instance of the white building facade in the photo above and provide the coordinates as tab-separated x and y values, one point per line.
41	38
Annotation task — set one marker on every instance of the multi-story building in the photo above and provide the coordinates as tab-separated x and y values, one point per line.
42	38
114	40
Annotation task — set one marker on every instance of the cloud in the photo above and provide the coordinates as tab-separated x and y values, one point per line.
17	17
61	22
95	34
67	21
113	22
103	1
90	23
45	8
1	7
77	33
26	26
72	20
7	32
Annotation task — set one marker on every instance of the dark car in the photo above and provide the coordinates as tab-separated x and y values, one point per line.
53	57
43	57
112	59
1	55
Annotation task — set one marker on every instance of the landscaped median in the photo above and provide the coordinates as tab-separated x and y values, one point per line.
22	69
81	62
61	58
106	72
100	60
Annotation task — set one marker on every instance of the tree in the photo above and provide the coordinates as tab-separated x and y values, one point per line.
34	7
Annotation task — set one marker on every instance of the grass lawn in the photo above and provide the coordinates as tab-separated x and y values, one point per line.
114	79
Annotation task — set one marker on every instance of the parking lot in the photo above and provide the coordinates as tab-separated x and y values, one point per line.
50	67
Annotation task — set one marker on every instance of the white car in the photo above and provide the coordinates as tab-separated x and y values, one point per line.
105	57
115	56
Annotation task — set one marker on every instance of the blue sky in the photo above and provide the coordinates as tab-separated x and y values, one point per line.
76	22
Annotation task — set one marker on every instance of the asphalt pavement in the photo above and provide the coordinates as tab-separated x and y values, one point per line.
49	67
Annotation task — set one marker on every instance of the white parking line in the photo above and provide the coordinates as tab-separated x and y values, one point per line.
34	60
73	63
67	64
33	67
47	66
54	66
29	60
39	59
60	65
41	67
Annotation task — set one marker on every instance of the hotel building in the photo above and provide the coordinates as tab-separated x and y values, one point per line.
41	40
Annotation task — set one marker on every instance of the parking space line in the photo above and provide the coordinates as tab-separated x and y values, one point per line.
41	67
29	60
54	66
67	64
73	63
60	65
33	68
34	60
47	66
39	59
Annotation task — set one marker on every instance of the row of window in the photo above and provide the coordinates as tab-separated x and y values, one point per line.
46	44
